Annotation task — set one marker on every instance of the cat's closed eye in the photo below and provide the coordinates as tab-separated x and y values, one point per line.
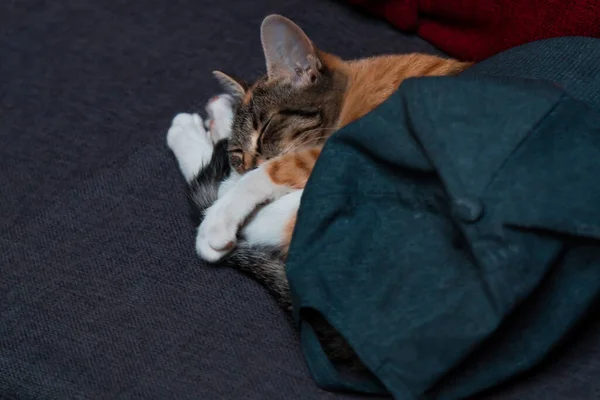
236	158
300	113
265	124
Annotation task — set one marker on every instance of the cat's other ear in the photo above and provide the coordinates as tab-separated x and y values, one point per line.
289	53
235	87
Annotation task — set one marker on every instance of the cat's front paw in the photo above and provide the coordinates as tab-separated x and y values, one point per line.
220	117
216	234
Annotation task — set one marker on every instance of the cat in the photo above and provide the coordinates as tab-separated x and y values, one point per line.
247	165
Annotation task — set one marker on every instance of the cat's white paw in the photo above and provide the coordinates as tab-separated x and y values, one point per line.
186	128
220	117
190	143
216	234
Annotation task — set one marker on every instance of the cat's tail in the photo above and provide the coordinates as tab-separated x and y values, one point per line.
203	190
265	265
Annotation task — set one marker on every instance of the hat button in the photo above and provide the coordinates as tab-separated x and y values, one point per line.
468	210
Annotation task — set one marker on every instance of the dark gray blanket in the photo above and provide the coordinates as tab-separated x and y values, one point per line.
101	294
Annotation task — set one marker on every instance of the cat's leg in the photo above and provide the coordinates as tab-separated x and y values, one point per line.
272	180
266	242
219	121
190	143
211	179
220	117
229	183
273	224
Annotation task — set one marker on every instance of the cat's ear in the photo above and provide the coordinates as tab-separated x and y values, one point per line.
289	53
235	87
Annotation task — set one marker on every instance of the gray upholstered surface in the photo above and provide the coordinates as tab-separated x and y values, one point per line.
101	295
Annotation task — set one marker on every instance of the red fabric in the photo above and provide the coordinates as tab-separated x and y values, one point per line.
476	29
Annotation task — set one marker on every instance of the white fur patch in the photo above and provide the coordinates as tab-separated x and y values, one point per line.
229	183
190	143
220	117
268	226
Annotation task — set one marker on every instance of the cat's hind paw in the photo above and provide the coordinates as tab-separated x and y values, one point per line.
186	129
190	143
220	117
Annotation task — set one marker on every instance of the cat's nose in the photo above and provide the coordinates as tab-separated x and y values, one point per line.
260	161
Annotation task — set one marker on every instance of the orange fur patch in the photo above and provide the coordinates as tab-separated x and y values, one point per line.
372	80
247	97
293	169
248	162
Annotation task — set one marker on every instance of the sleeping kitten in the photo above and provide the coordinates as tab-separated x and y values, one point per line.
246	174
